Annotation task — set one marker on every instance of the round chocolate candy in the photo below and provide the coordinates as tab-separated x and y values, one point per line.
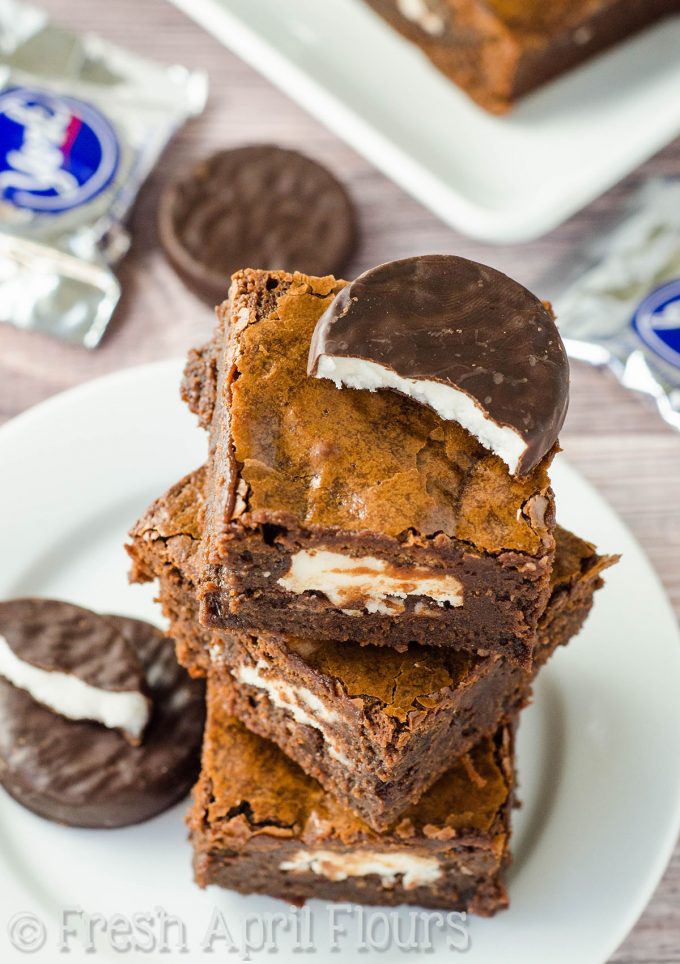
74	663
81	772
460	337
255	207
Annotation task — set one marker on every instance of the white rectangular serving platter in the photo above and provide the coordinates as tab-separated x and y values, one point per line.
501	180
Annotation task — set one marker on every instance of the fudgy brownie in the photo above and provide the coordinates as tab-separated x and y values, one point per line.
375	727
355	515
165	544
260	825
499	50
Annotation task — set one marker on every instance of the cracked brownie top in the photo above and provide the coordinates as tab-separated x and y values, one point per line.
169	534
400	683
293	448
467	798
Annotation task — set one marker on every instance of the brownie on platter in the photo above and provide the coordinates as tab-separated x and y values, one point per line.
261	825
350	513
499	50
374	726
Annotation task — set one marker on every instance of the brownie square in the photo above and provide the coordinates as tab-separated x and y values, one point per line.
165	544
260	825
498	51
375	727
354	515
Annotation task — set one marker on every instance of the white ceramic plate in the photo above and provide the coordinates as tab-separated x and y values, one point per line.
497	179
599	752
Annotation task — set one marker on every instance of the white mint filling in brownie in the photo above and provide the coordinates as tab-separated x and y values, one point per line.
299	701
418	12
414	871
366	582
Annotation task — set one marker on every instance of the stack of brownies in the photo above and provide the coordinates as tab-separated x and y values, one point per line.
368	588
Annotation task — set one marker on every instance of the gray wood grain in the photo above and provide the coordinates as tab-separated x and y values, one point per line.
616	440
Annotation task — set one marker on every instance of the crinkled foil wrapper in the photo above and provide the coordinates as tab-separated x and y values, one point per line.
82	123
617	300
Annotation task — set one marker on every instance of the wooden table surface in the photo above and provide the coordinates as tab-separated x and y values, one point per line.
616	440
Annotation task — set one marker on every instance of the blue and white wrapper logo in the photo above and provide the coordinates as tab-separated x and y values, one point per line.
657	322
78	136
56	152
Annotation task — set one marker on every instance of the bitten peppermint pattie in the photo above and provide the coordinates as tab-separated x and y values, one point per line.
354	515
260	825
74	663
468	341
61	752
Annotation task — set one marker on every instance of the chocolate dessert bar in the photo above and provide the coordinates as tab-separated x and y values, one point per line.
260	825
165	545
359	515
499	50
375	727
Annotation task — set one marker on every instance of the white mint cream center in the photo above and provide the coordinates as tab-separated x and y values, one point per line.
414	871
69	696
287	697
417	11
304	706
366	582
448	402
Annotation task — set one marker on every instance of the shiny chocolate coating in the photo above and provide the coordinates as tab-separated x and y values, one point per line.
259	206
80	773
59	637
445	319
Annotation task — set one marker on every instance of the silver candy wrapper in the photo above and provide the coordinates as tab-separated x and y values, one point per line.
82	123
617	300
